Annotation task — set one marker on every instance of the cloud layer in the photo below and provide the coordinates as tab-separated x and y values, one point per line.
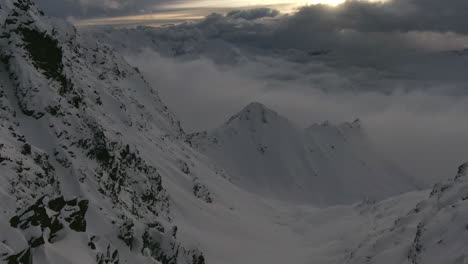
389	16
363	16
97	8
420	128
384	63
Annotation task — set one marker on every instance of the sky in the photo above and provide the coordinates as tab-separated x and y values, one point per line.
394	14
158	12
399	65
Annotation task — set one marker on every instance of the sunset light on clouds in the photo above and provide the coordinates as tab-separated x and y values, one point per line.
192	10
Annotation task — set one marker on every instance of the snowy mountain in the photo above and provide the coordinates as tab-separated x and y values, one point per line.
434	231
86	150
94	168
324	164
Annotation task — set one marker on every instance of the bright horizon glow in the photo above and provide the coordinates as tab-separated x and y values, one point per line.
252	3
192	10
284	6
163	18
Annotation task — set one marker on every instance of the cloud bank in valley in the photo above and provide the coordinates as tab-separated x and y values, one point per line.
405	80
398	65
422	129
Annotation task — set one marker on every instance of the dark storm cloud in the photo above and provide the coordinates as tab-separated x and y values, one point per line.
393	15
97	8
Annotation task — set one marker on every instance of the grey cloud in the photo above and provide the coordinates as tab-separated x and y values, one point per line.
416	123
316	28
400	78
353	25
390	64
252	14
97	8
394	15
363	16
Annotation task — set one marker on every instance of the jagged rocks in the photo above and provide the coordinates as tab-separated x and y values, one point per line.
52	215
201	191
26	149
43	220
184	167
111	256
117	163
164	248
46	55
31	174
23	257
127	232
174	231
198	259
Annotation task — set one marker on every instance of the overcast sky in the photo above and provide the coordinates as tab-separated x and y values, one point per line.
391	15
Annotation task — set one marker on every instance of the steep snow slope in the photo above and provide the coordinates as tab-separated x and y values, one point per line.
90	157
435	231
359	169
324	164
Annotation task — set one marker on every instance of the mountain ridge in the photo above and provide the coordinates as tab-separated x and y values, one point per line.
432	232
259	147
94	169
74	116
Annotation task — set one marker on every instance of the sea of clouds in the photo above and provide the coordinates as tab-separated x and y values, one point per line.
399	66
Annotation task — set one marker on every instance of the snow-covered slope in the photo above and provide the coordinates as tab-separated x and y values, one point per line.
324	164
90	158
435	231
94	169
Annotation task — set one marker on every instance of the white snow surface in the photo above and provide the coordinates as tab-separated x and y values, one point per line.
323	164
95	169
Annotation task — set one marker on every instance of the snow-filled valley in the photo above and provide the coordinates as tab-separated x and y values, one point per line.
95	168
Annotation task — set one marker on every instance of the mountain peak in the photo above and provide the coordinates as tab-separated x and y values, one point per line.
255	112
255	107
462	170
356	124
